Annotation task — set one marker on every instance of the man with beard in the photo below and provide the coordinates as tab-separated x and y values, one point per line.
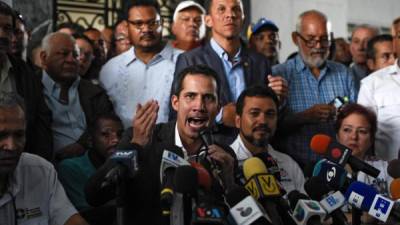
314	82
145	71
17	77
256	118
196	101
236	67
74	102
264	39
188	26
30	192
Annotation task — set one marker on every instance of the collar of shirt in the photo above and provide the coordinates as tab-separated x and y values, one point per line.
54	89
178	142
301	66
223	54
395	68
242	153
167	53
5	71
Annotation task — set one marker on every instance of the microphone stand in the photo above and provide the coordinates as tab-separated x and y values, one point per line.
120	193
355	213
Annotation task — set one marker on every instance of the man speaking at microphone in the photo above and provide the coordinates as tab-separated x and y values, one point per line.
196	100
256	118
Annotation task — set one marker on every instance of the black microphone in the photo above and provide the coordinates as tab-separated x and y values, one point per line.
393	168
331	201
126	163
322	144
305	211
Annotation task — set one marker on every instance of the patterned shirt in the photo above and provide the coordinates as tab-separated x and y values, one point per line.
305	90
129	81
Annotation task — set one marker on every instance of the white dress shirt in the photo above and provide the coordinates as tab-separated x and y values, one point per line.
292	177
380	92
128	81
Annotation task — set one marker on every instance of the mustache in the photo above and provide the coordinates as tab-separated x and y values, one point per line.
7	153
147	35
262	127
318	51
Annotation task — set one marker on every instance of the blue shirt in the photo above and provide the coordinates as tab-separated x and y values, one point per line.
233	70
68	120
305	90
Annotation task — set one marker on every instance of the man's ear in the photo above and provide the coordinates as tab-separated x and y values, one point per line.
43	57
208	21
175	102
371	64
237	121
294	38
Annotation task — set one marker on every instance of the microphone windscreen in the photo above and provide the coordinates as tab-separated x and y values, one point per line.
175	149
185	180
319	143
252	166
393	168
331	174
361	195
294	196
395	189
203	176
316	188
235	195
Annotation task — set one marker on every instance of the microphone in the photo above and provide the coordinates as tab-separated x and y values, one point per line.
337	153
393	168
126	163
243	208
263	187
170	160
270	163
333	175
366	198
203	176
395	189
330	201
305	211
185	184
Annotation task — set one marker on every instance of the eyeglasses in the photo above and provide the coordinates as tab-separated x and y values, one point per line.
139	24
325	42
65	53
86	55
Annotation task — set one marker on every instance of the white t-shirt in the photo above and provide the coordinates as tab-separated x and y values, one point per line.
292	177
39	197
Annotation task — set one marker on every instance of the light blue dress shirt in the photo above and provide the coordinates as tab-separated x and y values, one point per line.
68	120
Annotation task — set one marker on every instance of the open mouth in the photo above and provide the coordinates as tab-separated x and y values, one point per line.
197	122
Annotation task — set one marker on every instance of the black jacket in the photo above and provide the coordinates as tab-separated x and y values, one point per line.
143	196
38	116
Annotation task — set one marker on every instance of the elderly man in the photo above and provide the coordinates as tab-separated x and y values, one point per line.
145	71
380	91
380	52
74	102
30	192
358	48
188	26
264	39
314	82
236	66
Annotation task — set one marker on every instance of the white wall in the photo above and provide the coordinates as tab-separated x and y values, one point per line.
340	12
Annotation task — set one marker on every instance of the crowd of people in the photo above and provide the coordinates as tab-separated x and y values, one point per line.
83	95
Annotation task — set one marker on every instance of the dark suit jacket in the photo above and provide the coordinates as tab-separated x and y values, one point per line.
256	67
143	197
38	116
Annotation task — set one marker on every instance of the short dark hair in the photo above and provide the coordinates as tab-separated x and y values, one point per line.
84	37
255	91
11	99
7	11
371	51
144	3
96	123
192	70
352	108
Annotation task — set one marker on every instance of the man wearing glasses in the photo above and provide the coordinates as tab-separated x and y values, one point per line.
379	91
145	71
313	82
